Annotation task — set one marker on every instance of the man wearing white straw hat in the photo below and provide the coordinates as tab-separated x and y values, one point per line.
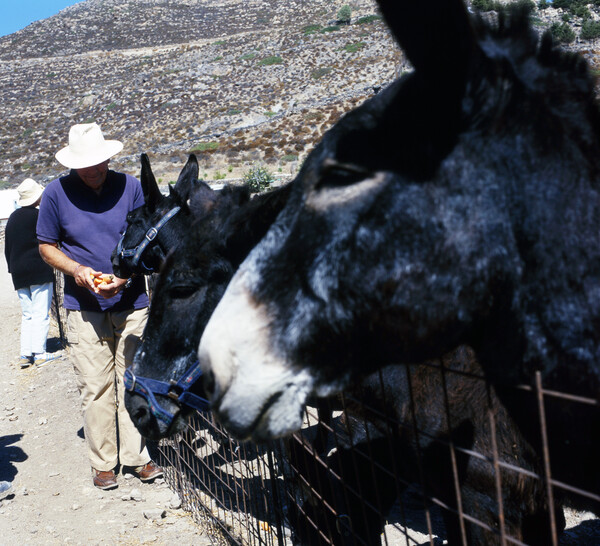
32	278
81	218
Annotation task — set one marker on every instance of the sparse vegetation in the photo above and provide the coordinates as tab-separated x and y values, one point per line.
353	48
562	33
333	28
248	56
582	11
320	72
313	116
268	61
205	147
344	15
367	19
485	5
529	4
311	29
495	5
258	179
590	30
576	8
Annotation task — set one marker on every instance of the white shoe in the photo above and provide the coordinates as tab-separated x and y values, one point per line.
41	359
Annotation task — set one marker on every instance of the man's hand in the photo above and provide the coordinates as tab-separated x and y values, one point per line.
84	276
108	290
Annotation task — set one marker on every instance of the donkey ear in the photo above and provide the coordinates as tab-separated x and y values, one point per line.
436	35
187	178
152	195
177	198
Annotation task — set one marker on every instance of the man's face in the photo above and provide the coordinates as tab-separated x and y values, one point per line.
93	177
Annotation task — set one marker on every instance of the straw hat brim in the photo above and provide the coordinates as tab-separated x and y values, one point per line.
71	160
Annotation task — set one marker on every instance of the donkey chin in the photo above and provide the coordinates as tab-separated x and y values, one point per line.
269	411
260	400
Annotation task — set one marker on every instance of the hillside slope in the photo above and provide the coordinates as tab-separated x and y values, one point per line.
239	81
251	80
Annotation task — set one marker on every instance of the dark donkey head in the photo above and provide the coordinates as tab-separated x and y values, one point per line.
460	205
191	283
158	225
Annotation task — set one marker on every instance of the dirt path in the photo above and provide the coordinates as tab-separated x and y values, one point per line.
43	453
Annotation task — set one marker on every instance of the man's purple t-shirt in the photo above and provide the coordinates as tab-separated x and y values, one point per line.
88	227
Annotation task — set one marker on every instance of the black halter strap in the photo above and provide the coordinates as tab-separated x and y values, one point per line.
136	253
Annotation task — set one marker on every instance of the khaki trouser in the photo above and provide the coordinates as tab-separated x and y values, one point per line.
102	346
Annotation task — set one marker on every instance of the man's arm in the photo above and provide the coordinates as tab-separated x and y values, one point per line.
55	257
83	274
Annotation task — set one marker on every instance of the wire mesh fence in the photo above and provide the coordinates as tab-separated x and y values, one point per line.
413	454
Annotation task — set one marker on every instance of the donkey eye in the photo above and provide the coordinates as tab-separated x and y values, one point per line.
181	291
336	175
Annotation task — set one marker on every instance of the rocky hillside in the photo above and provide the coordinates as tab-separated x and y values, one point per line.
239	82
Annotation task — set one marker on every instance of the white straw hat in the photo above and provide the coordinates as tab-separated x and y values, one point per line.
29	192
87	147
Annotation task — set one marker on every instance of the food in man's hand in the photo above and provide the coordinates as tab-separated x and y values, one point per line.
105	278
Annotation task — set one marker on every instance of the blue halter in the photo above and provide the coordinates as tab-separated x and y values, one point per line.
150	235
176	390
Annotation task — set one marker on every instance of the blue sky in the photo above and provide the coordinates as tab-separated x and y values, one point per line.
17	14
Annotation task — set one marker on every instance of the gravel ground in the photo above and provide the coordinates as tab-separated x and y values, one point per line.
42	451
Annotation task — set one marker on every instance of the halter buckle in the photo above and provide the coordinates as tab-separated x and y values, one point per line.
151	234
172	394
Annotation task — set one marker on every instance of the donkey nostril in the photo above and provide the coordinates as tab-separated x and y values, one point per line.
139	414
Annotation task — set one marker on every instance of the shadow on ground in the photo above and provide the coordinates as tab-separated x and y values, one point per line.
10	454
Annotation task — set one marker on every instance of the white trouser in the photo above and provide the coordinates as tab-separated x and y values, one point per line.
35	319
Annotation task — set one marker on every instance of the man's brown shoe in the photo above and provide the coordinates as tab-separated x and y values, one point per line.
148	472
105	479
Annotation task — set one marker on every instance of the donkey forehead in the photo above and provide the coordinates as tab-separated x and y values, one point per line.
142	213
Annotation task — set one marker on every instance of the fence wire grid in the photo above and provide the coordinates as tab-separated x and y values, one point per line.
414	454
360	473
